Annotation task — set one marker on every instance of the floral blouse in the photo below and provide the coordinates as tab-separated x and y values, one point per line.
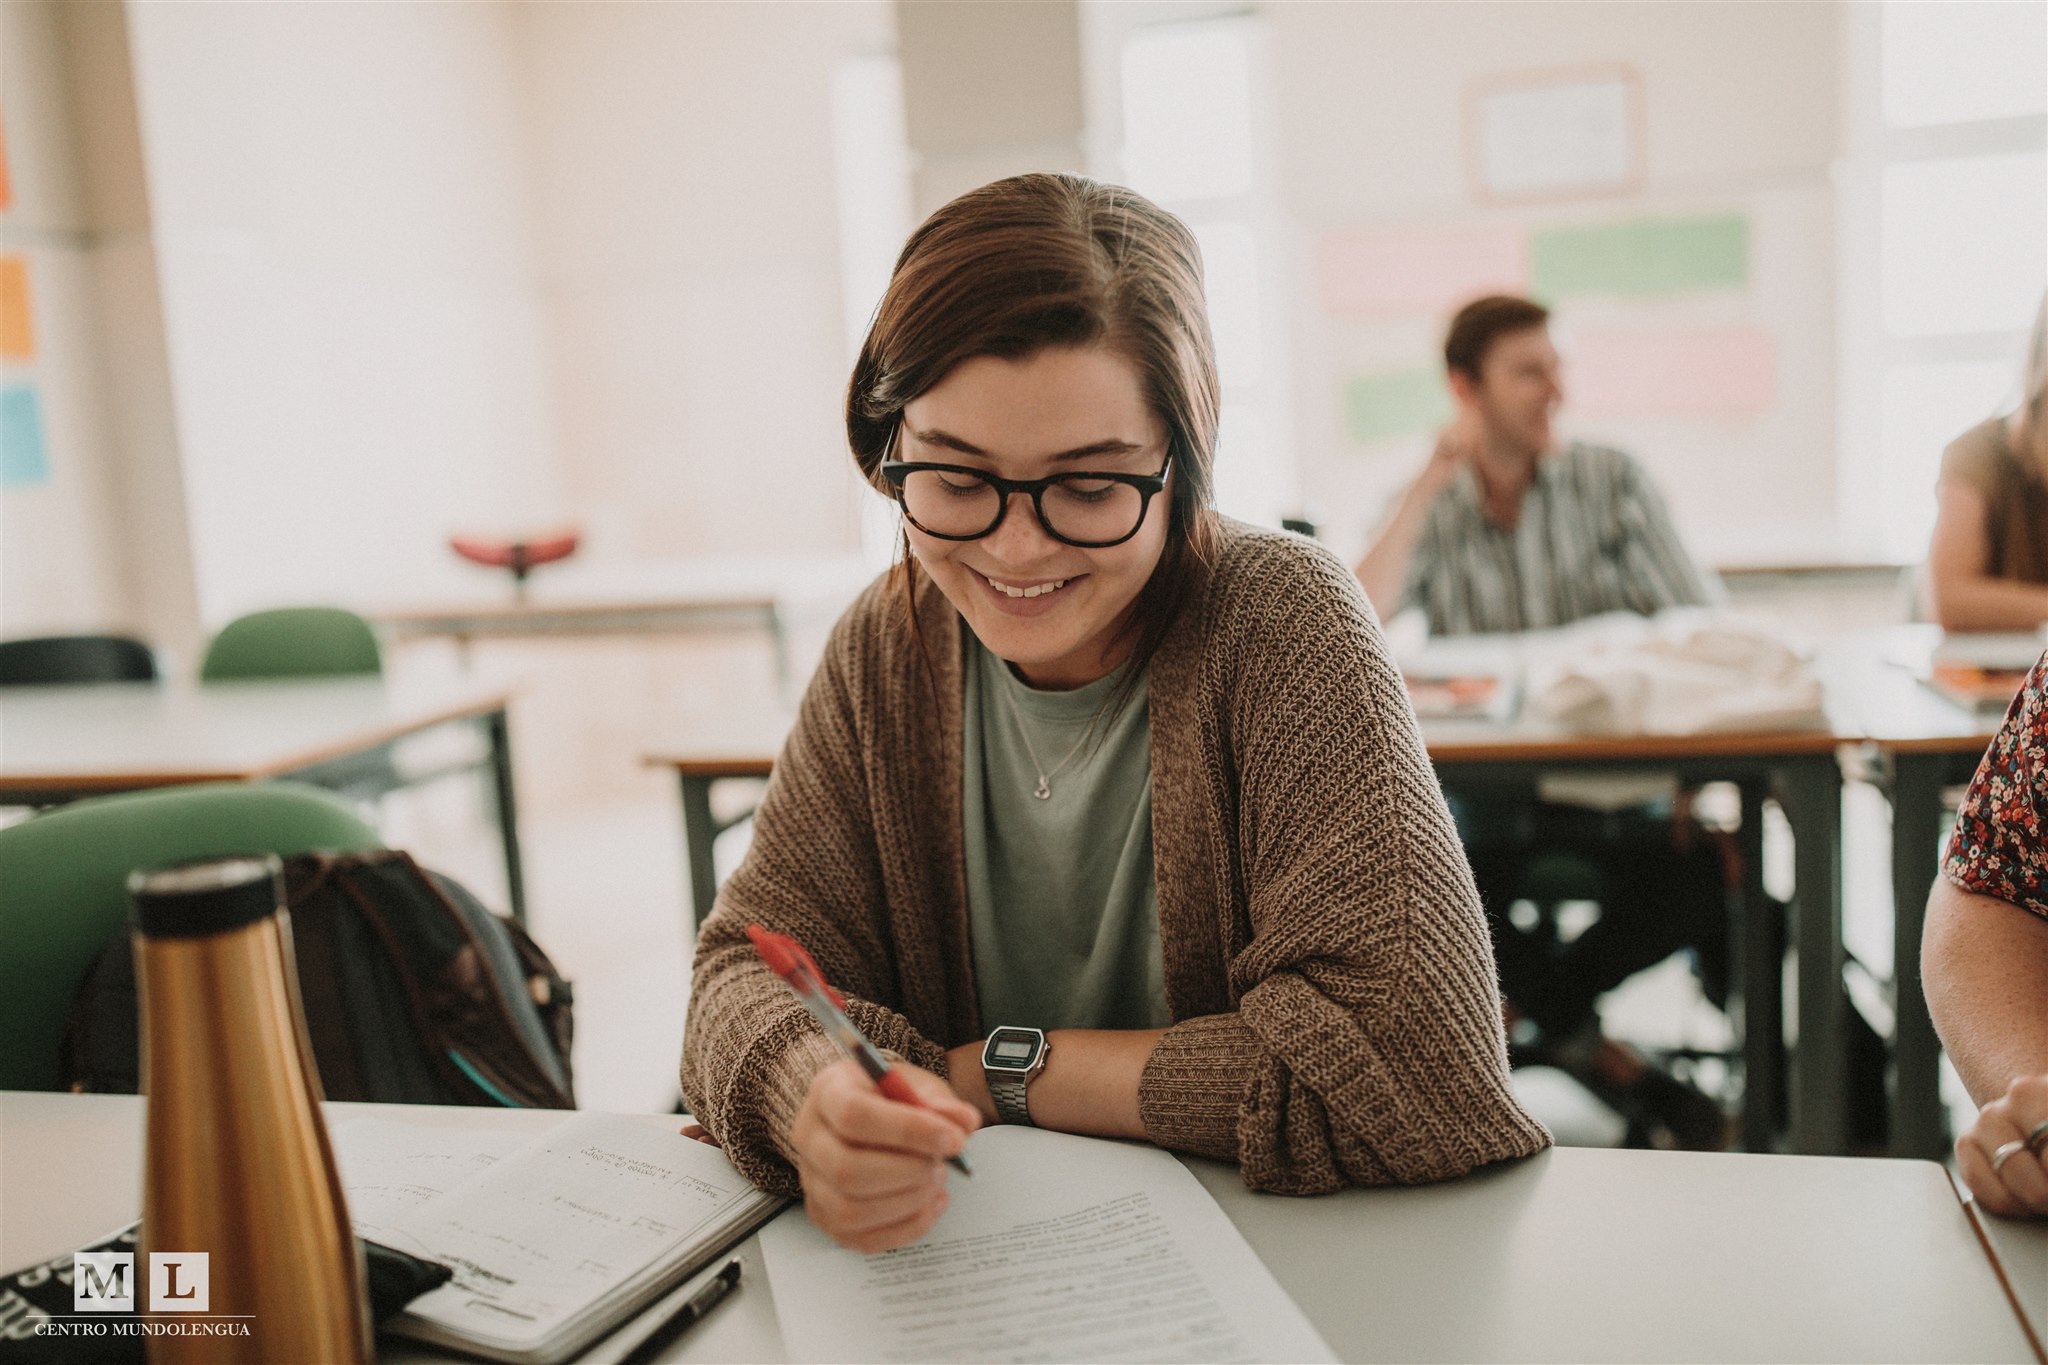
2000	848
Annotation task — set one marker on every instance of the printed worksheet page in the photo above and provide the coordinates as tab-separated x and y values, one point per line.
1060	1248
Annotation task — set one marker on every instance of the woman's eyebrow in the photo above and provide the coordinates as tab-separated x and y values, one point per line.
1109	446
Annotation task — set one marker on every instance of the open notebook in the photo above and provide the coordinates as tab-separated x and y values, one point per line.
556	1238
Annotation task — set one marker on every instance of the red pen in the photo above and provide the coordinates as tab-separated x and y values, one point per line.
788	960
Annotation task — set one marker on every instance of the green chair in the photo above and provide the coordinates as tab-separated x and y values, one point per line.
292	642
63	887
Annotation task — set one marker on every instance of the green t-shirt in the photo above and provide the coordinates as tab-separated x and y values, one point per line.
1061	904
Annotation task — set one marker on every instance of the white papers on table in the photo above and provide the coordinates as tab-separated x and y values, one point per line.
1059	1248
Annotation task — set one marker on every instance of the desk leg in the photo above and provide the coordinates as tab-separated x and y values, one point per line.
699	831
1918	1129
500	732
1760	959
1812	797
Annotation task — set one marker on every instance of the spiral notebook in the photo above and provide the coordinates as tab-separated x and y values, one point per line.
555	1239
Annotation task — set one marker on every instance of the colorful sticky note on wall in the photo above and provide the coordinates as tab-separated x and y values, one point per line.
1430	271
1640	256
1724	372
17	328
23	458
1394	403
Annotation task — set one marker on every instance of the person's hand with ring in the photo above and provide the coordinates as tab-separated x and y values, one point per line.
2003	1156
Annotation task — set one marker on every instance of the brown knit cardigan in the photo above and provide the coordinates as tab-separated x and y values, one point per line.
1336	1014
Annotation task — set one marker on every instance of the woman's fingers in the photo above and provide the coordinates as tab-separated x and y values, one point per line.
862	1115
846	1217
2008	1177
897	1234
873	1168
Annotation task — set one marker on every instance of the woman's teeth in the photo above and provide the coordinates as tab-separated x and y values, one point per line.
1036	590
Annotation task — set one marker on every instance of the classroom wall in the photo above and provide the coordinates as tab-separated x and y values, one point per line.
681	167
357	351
61	565
1740	118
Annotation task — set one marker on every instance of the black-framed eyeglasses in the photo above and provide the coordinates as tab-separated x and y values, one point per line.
1086	508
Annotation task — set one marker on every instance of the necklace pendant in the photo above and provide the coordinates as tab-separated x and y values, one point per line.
1044	792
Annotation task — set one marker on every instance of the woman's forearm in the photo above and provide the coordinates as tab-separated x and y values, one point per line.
1984	967
1089	1085
1978	602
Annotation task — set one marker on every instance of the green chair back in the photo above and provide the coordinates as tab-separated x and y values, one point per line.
292	642
63	887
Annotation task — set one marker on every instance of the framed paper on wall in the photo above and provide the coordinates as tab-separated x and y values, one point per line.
1555	134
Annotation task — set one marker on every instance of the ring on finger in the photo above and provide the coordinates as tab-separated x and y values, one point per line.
2006	1152
2037	1138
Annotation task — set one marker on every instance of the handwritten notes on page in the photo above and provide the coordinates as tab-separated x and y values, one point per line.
554	1242
1059	1248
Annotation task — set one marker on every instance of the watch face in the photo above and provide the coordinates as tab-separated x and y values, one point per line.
1012	1049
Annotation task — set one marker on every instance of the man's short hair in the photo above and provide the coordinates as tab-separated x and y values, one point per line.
1482	322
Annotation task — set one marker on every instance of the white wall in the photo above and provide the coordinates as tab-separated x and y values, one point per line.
686	219
62	568
357	349
1739	116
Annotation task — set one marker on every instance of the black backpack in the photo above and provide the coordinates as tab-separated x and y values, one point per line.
414	993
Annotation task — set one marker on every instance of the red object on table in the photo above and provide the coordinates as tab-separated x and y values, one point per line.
520	556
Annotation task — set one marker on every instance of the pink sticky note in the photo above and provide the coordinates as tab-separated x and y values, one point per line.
1712	373
1425	271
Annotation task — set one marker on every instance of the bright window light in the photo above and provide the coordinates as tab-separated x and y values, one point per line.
871	164
1925	407
1230	277
1957	61
1963	244
1187	97
871	159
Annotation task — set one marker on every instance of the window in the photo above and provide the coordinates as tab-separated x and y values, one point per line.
1191	104
1944	245
871	158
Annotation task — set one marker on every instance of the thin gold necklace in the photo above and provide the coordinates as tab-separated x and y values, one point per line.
1044	791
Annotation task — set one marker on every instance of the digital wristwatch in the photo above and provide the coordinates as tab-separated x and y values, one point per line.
1010	1060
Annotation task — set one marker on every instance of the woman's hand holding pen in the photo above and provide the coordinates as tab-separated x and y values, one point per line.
874	1170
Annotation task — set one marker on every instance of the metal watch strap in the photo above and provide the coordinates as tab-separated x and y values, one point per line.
1007	1089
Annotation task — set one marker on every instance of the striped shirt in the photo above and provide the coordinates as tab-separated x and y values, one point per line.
1593	537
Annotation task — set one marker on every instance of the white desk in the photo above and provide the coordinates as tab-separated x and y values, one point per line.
2019	1248
61	743
1579	1254
758	592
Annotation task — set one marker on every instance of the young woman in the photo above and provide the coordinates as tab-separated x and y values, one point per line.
1133	791
1987	565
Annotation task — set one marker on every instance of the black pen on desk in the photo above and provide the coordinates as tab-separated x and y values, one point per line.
693	1310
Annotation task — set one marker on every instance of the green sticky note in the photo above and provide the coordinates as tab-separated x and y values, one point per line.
1640	256
23	458
1391	403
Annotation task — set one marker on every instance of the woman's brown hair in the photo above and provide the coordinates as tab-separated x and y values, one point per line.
1056	260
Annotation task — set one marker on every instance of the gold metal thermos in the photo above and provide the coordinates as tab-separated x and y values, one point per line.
239	1166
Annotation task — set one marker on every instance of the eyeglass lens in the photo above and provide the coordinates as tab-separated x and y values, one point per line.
1079	508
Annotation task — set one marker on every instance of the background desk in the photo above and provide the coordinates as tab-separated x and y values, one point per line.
758	593
61	743
1577	1254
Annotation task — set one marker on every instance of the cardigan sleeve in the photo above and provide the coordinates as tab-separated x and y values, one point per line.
749	1050
1367	1045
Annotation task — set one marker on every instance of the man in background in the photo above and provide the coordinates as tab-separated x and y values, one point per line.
1505	530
